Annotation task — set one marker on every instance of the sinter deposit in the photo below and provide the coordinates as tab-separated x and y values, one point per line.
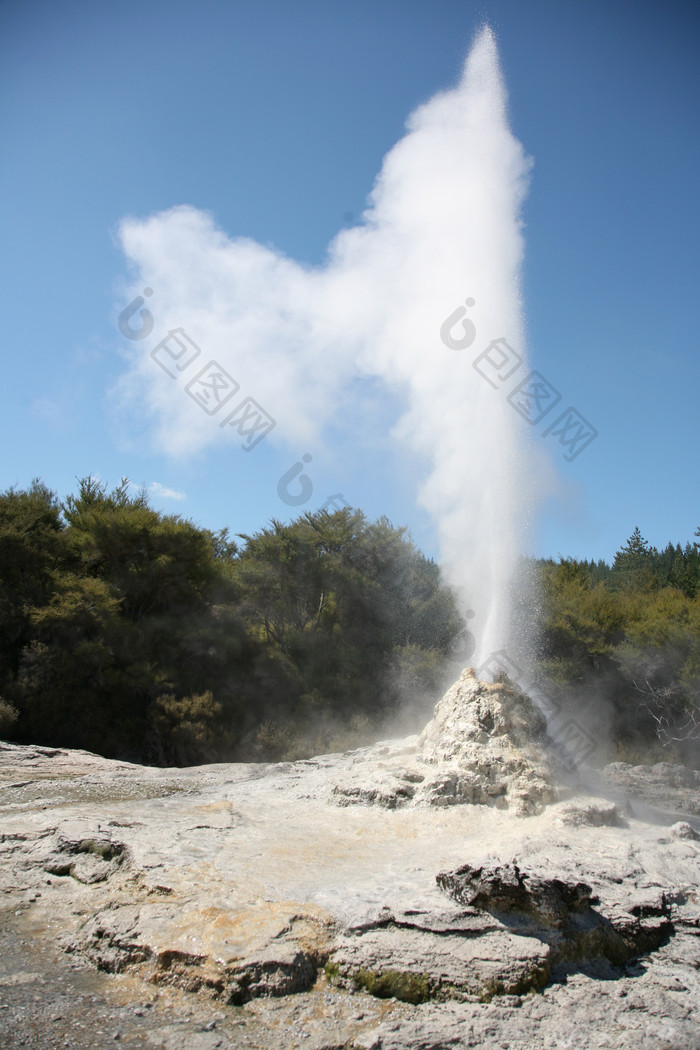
447	890
484	745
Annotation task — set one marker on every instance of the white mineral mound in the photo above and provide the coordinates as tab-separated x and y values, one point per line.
486	745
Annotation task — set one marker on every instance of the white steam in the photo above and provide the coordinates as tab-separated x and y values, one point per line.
442	226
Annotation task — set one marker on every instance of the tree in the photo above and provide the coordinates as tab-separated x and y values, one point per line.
76	685
186	731
634	563
333	598
110	608
581	623
154	563
32	549
660	657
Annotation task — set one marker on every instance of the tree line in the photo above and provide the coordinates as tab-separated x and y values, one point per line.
140	635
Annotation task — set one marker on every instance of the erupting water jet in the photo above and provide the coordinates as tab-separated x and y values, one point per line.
412	297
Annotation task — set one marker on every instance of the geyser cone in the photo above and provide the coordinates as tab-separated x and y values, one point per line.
485	745
494	738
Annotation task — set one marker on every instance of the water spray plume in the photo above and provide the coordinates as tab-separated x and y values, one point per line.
412	296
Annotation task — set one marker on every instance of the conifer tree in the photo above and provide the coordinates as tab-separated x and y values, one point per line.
634	563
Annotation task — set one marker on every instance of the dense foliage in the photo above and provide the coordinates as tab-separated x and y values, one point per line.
623	640
136	634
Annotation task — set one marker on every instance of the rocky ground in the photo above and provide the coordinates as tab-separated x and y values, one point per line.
451	890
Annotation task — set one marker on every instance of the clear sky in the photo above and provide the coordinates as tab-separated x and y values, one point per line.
274	117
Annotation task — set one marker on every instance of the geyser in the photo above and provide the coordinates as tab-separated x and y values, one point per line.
440	242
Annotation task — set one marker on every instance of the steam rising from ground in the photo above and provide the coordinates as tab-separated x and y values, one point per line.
311	344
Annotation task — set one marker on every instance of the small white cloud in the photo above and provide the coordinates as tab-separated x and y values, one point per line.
164	493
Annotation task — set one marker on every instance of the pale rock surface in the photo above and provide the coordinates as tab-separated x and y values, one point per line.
667	786
592	812
259	891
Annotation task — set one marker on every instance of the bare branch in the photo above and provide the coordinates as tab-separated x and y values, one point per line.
674	724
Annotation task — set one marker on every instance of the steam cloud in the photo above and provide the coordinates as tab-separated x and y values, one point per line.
309	344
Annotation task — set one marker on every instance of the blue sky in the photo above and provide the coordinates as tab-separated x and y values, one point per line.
274	118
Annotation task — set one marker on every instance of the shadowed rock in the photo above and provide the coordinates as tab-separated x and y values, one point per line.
505	888
559	913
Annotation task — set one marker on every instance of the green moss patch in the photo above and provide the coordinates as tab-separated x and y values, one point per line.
394	984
